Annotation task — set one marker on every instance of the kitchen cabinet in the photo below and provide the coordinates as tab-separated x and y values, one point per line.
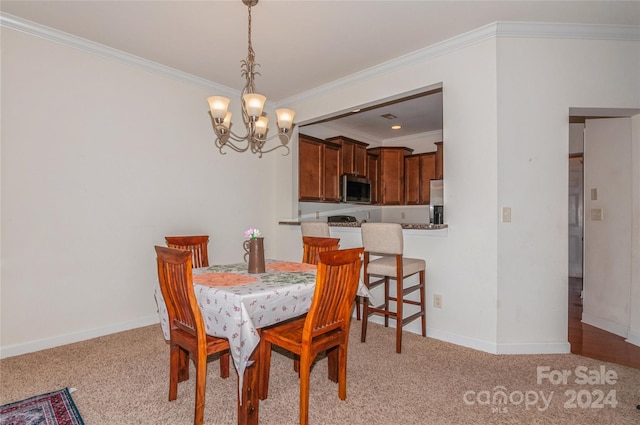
318	170
354	155
439	161
419	170
391	174
373	162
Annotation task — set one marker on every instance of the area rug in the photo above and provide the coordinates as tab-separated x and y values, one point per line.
54	408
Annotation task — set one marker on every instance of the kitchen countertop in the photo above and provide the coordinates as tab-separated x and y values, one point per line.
412	226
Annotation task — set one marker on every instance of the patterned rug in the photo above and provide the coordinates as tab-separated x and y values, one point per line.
55	408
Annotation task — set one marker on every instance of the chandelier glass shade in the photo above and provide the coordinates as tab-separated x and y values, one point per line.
255	122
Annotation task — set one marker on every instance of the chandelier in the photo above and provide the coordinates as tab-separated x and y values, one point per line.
252	104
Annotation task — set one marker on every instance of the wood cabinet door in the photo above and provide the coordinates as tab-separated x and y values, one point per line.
347	158
427	172
412	183
373	174
392	176
439	161
360	160
331	173
311	169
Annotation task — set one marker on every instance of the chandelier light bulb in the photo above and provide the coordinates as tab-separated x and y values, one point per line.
218	106
285	119
261	126
254	103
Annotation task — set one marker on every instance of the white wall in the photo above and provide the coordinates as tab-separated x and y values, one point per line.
100	161
461	267
539	80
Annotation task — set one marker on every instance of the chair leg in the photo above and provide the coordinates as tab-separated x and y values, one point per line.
333	367
174	369
399	313
423	304
296	364
183	364
342	371
357	307
305	369
365	319
264	369
201	382
224	364
386	301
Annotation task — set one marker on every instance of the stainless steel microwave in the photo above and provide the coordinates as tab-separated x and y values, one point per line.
355	189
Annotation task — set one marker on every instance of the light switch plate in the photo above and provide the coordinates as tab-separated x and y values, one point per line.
594	194
506	214
596	214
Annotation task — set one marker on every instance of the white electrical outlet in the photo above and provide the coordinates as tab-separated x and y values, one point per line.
437	301
402	214
317	214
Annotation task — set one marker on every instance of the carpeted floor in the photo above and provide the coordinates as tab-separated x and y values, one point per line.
123	379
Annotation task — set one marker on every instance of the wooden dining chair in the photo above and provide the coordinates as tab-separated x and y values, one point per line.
196	244
325	327
311	246
187	334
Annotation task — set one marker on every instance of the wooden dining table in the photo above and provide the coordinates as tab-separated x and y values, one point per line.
236	304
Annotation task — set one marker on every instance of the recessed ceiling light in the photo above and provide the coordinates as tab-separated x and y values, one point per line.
396	127
355	111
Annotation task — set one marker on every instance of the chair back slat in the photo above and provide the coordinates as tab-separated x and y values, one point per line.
196	244
176	284
336	288
311	246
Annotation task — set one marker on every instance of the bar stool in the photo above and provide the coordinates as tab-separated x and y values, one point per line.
384	240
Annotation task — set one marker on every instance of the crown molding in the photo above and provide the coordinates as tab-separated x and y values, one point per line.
498	29
572	31
69	40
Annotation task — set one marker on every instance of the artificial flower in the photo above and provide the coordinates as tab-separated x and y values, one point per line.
252	233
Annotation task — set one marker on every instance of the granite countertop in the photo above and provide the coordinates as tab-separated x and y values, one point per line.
414	226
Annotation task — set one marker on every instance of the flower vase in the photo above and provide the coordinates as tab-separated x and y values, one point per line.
254	250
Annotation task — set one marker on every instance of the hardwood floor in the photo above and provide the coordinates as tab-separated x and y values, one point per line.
595	343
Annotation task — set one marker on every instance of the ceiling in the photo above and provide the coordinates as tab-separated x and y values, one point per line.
302	44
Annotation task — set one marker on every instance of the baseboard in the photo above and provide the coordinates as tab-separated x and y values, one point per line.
464	341
633	338
605	325
486	346
534	348
43	344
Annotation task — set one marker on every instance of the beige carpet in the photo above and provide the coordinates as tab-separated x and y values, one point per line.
123	379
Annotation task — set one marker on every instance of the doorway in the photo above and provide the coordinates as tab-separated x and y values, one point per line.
576	215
